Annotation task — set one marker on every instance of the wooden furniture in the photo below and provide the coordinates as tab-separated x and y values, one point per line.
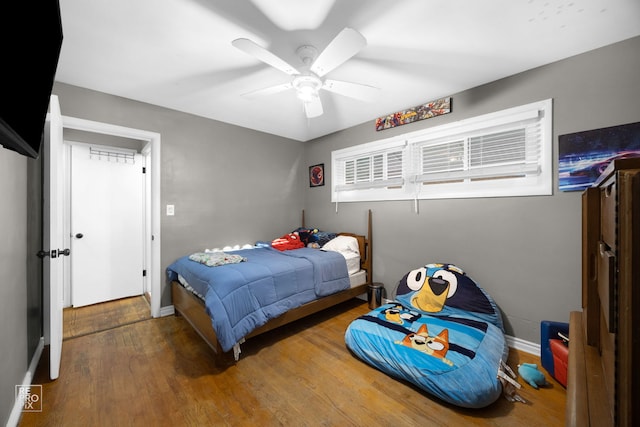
604	385
192	308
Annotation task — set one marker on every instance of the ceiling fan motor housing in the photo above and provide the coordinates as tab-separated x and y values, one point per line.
307	54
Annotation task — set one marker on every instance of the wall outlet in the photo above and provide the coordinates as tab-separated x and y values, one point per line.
171	210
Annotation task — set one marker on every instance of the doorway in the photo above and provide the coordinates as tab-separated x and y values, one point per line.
107	223
150	152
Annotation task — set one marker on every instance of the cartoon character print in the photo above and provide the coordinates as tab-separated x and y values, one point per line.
436	346
399	314
435	285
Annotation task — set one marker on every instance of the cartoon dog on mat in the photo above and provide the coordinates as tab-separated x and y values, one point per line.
399	314
436	285
436	346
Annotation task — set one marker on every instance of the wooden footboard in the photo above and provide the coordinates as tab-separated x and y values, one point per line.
193	309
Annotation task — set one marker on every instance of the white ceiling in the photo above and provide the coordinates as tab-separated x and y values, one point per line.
178	53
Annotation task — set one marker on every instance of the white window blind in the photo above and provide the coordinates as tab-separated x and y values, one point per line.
492	155
380	168
507	153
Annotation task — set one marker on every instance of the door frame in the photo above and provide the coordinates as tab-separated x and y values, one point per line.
152	236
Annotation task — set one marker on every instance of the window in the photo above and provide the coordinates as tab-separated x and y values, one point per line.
507	153
377	165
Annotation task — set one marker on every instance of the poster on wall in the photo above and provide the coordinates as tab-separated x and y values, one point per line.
421	112
316	175
583	156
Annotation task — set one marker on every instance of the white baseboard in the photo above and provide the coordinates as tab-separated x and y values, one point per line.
167	310
522	345
16	412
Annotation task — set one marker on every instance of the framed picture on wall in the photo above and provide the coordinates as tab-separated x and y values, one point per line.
584	155
316	175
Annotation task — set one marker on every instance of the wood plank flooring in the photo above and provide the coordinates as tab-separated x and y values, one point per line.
100	317
159	372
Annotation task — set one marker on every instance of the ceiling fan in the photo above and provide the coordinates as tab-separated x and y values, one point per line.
308	80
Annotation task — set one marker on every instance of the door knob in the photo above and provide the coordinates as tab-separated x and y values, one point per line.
65	252
79	236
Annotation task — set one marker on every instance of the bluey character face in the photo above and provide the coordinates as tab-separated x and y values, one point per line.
431	291
436	346
399	314
392	314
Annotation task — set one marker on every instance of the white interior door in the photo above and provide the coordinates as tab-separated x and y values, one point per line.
52	236
107	224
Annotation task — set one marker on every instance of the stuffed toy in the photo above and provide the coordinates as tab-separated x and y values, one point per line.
306	235
287	242
531	374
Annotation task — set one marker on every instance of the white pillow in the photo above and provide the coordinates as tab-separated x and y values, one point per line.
342	244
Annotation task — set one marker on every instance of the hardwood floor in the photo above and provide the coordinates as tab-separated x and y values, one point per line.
159	372
100	317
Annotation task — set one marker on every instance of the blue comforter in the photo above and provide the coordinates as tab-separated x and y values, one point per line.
243	296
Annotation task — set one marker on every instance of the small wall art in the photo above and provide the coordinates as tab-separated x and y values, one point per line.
583	156
316	175
421	112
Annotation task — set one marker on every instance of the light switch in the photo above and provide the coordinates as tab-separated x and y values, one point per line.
171	210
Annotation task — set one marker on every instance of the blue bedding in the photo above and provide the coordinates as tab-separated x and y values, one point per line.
443	333
241	297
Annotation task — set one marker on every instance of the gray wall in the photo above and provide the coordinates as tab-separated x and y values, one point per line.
34	264
229	185
525	251
13	270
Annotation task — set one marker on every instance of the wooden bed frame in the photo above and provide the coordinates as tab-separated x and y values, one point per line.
192	308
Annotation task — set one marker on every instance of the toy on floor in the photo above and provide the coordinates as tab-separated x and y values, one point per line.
554	349
510	385
531	374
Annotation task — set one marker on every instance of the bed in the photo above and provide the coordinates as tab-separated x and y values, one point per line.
230	296
442	333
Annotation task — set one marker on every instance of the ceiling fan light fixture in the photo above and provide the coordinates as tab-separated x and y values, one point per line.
307	87
307	94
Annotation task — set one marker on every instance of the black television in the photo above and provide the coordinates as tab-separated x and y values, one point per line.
32	39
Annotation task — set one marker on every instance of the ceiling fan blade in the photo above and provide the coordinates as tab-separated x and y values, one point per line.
346	44
264	55
352	90
268	91
313	108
